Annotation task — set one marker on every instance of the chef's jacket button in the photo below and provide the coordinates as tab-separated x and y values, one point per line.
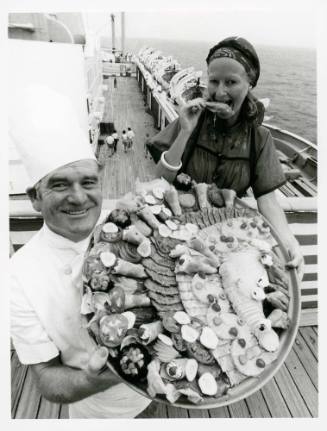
67	269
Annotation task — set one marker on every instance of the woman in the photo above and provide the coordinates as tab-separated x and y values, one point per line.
219	138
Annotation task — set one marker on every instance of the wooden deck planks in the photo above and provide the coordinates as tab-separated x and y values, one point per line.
176	413
198	414
307	359
275	401
29	402
48	409
311	338
303	383
18	374
290	394
161	411
257	406
239	410
63	414
221	412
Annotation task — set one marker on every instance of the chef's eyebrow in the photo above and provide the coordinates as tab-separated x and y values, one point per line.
90	177
60	178
54	179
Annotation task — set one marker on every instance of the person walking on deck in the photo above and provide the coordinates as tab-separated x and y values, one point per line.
124	138
46	273
110	141
116	139
130	136
146	142
115	82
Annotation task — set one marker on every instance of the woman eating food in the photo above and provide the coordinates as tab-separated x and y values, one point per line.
219	138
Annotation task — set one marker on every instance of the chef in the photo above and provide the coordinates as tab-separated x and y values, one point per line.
45	274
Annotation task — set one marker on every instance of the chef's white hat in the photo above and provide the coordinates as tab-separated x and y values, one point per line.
45	129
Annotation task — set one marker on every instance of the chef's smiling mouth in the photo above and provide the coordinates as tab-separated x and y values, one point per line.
74	212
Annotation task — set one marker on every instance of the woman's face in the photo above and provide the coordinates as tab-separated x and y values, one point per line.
228	83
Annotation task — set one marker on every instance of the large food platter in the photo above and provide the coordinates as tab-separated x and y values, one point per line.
167	289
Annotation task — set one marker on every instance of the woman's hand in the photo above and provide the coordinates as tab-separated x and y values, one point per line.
270	208
297	260
189	113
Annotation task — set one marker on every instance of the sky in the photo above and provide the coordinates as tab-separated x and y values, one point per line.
267	22
277	27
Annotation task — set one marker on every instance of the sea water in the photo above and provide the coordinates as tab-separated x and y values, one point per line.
288	79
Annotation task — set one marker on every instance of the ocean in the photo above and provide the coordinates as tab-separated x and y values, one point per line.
288	79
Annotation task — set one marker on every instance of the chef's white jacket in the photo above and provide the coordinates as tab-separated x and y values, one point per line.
46	322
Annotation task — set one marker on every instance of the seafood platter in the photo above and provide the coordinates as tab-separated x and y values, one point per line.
188	292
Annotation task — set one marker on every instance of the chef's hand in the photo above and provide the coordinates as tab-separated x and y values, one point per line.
297	260
97	370
189	113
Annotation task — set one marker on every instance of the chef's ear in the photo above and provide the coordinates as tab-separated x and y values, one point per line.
34	196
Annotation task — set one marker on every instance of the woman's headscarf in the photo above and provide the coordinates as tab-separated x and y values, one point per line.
240	50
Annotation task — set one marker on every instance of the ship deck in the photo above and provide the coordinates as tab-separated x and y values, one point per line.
125	108
293	392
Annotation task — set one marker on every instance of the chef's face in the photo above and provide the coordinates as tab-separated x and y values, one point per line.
70	199
228	83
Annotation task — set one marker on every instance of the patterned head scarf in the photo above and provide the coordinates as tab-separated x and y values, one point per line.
240	50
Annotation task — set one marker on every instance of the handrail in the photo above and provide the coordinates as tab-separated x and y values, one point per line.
304	204
291	134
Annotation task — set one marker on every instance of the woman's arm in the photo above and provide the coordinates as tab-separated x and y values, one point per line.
189	115
59	383
173	157
270	208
